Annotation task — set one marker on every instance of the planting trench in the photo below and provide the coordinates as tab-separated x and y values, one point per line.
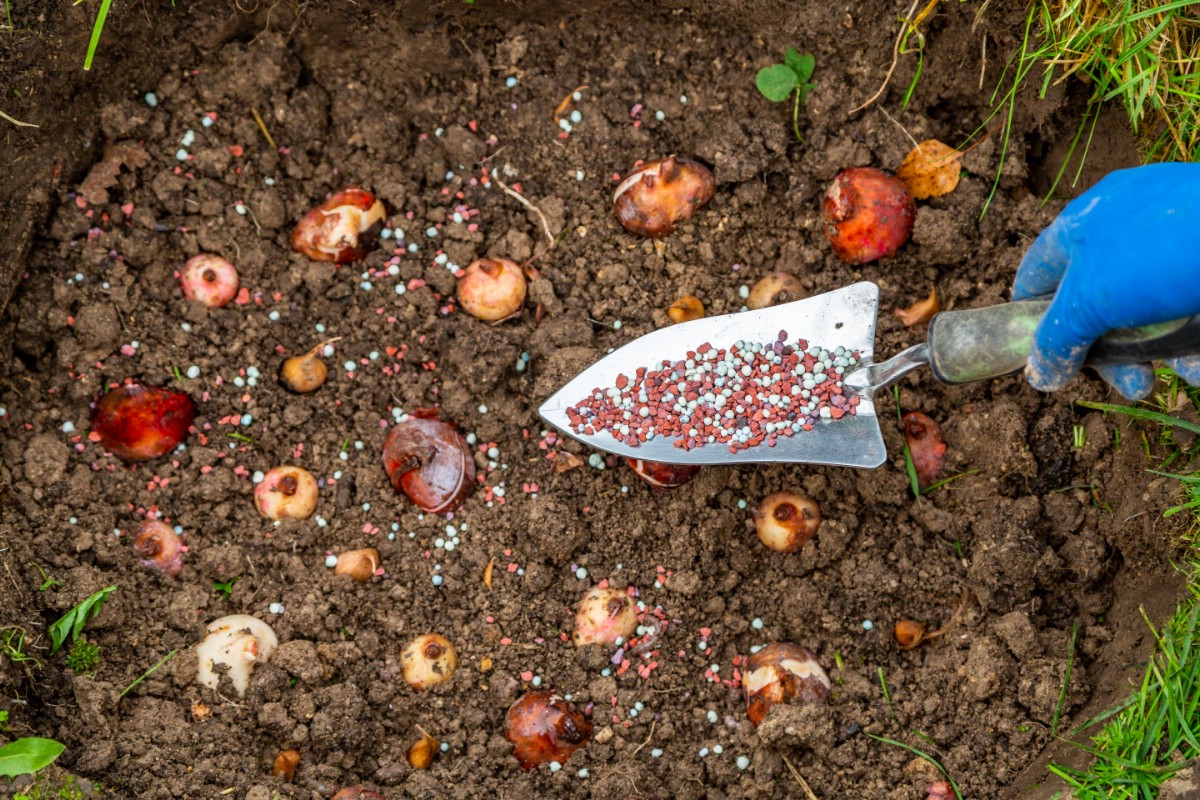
416	104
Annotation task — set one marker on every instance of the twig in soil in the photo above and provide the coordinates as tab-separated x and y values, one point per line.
904	25
18	122
262	126
808	792
147	673
649	736
525	202
901	127
982	62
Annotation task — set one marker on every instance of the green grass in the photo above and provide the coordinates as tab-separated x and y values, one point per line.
1152	734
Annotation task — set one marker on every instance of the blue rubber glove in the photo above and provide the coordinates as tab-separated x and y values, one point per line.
1124	253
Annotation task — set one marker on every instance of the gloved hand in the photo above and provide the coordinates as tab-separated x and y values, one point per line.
1124	253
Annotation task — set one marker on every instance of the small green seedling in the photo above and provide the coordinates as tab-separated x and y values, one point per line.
779	81
225	589
27	756
83	657
71	624
48	580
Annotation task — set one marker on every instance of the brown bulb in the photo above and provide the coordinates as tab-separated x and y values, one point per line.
686	309
305	373
780	672
544	727
786	520
662	477
421	754
285	764
358	564
158	547
357	793
774	289
653	198
909	634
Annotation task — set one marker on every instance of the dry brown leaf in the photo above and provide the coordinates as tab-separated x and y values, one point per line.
487	574
930	170
920	312
565	462
103	174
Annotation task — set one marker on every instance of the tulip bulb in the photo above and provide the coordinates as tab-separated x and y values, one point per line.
286	493
784	521
653	198
869	214
209	280
339	229
544	727
136	422
358	564
430	462
662	477
492	289
428	661
238	642
605	615
305	373
285	764
357	793
779	672
421	754
686	309
773	289
159	547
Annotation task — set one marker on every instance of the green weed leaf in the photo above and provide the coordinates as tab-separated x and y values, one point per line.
71	624
802	64
27	756
776	82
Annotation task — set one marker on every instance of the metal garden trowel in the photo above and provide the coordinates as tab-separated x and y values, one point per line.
961	346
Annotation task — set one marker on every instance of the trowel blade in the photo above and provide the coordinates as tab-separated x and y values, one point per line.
845	318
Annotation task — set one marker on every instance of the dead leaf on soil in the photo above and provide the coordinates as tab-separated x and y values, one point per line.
930	170
565	462
103	174
920	312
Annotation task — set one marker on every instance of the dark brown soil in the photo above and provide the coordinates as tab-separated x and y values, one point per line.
413	104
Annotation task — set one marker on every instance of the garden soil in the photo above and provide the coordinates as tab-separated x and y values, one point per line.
1054	547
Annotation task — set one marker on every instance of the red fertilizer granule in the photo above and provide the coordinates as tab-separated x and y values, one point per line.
747	395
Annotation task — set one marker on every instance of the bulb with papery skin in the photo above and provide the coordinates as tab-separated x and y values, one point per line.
428	661
286	493
869	214
341	228
773	289
492	289
784	521
358	564
605	616
544	727
209	280
655	197
430	462
236	642
662	477
159	547
778	673
136	422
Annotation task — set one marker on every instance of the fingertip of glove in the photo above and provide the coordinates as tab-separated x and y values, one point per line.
1134	381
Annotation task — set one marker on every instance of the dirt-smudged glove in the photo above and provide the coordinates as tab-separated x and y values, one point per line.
1125	253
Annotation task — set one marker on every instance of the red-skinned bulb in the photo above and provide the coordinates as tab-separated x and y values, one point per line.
544	727
159	547
136	422
209	280
341	229
656	196
662	477
430	462
924	439
869	214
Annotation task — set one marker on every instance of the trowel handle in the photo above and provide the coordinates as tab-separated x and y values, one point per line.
988	342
